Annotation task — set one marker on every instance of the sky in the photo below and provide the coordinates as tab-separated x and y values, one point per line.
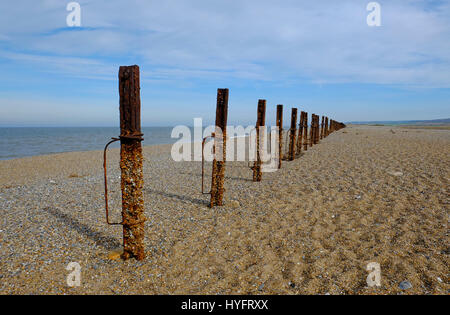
319	56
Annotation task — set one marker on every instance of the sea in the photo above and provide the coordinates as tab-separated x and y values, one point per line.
17	142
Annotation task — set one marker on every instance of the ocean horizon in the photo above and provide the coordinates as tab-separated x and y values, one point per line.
18	142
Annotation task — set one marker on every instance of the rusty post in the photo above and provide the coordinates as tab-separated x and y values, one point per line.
280	133
292	134
218	169
322	127
311	131
300	133
132	179
317	133
260	122
305	124
315	129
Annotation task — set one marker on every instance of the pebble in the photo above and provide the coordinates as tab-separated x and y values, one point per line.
115	254
261	287
235	204
405	285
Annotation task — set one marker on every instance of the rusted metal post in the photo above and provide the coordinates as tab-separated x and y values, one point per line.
311	131
260	122
316	125
305	124
317	133
292	134
131	159
322	126
280	133
300	133
218	168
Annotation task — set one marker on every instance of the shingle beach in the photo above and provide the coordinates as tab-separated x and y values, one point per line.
364	194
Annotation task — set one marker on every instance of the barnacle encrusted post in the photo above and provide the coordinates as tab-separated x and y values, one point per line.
132	179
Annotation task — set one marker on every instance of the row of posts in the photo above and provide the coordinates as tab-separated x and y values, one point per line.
320	128
131	159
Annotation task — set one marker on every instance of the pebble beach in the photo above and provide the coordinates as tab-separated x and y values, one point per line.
364	194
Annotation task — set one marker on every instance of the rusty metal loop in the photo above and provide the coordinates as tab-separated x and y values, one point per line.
213	135
106	181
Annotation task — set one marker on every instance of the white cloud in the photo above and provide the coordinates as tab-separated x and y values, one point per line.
315	41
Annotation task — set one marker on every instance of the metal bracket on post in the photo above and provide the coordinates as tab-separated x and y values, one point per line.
203	162
106	182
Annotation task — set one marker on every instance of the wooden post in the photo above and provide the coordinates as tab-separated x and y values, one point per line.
131	160
292	134
305	142
280	133
326	126
260	122
218	168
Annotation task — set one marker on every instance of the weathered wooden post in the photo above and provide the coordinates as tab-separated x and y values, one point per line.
300	132
131	160
218	168
280	133
260	122
292	134
326	126
305	142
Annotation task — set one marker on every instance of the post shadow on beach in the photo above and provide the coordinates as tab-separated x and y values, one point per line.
178	197
226	177
107	242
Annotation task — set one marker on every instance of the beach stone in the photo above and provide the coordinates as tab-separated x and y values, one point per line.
235	204
405	285
115	254
261	287
397	174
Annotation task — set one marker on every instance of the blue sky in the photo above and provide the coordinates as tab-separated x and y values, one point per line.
319	56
